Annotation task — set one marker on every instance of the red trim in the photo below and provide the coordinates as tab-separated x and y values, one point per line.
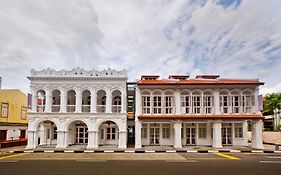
200	117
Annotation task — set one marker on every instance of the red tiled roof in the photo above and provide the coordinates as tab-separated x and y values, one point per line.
201	82
214	116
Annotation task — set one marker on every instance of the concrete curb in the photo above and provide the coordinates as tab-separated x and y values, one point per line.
145	151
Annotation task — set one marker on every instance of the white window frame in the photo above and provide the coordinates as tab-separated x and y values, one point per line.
238	130
224	107
186	104
166	131
196	109
208	101
157	104
146	104
144	131
202	130
169	104
236	108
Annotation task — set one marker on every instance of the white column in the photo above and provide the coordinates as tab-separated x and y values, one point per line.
123	102
61	139
108	101
217	141
216	101
138	127
63	100
78	100
48	101
43	138
138	104
122	139
257	134
245	131
256	107
31	140
93	101
177	102
66	136
92	143
177	134
34	101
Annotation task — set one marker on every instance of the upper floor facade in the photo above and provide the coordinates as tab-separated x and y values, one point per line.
78	91
204	95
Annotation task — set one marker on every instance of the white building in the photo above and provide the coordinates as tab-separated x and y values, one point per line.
78	107
207	110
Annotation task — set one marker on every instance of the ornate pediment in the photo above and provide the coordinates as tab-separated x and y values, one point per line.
78	72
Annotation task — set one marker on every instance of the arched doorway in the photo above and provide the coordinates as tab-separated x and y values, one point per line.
77	133
47	134
108	134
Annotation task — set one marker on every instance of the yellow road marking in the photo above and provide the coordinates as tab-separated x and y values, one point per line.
15	155
227	156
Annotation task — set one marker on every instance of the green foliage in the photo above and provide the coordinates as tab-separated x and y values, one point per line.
278	127
271	102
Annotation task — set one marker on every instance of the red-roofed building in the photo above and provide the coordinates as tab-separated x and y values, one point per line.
207	110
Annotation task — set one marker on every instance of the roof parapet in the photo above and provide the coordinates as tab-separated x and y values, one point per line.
179	77
207	76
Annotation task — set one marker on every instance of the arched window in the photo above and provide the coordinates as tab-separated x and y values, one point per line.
116	101
56	100
101	101
71	100
41	100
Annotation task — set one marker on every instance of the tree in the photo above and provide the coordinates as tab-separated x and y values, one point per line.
271	102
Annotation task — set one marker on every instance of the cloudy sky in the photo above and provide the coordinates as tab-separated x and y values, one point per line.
233	38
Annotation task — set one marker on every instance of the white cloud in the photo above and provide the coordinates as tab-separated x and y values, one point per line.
145	37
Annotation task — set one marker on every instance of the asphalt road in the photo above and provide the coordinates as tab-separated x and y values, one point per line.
145	164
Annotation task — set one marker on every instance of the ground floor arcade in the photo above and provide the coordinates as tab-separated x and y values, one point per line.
181	133
92	133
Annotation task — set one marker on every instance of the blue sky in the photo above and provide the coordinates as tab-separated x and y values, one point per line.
233	38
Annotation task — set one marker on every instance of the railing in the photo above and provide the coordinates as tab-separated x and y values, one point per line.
86	108
55	108
70	108
101	108
116	108
41	108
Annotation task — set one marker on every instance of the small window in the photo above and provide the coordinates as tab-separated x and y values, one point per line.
23	113
4	110
166	131
144	131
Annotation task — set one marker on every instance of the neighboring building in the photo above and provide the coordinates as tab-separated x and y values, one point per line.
13	119
78	107
207	110
131	112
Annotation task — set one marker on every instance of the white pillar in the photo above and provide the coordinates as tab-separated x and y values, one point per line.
66	136
93	101
31	140
34	101
61	139
108	101
245	131
122	140
43	137
48	101
63	101
138	134
217	140
177	102
257	134
92	143
123	103
78	100
177	134
256	107
138	104
216	101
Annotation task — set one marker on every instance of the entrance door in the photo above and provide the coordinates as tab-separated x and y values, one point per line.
81	135
22	134
3	134
190	135
111	135
154	136
226	132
